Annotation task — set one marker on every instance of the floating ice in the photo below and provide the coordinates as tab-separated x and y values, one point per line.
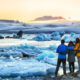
48	37
45	54
29	48
55	36
24	68
61	33
17	51
12	53
72	34
42	37
71	37
52	47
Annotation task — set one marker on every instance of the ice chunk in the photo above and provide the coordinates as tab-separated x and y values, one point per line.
45	54
47	37
52	61
17	51
72	34
55	36
61	33
71	37
52	47
29	49
42	37
24	68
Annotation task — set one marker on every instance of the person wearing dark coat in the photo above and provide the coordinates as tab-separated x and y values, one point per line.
71	57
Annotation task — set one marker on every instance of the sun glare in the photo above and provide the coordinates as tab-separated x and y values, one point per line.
28	10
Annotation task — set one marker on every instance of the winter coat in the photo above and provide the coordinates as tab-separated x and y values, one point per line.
61	48
71	55
77	47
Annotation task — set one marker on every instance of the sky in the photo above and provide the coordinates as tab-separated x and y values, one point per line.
30	10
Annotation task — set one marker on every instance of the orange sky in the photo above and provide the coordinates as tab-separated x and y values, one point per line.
27	10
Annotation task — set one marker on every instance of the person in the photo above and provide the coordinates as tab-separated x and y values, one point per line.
19	34
71	56
61	50
77	49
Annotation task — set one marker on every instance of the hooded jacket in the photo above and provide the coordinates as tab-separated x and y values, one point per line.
77	47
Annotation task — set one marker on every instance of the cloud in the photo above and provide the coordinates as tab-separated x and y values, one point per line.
45	18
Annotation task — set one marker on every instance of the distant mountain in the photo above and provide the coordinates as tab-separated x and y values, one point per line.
44	18
10	21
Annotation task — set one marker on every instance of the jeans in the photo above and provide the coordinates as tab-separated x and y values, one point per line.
63	61
71	67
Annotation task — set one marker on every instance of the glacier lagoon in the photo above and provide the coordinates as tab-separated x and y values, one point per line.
42	61
40	47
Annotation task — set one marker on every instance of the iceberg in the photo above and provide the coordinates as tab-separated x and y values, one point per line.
55	36
52	47
48	37
61	33
45	54
17	51
42	37
71	37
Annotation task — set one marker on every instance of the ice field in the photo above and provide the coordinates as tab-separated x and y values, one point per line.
42	60
40	47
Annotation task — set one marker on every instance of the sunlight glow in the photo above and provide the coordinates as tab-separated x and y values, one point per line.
27	10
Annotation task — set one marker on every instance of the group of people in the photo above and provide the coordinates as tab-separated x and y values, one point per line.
71	50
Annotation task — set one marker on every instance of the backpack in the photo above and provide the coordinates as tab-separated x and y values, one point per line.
77	51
